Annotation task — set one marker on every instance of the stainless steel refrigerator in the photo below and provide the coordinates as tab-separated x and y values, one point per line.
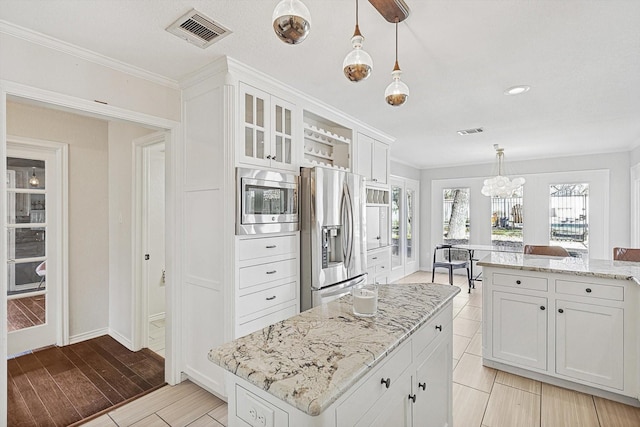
332	234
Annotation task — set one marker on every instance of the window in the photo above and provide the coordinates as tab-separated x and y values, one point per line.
455	215
507	220
568	217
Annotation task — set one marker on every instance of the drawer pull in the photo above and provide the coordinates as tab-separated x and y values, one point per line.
271	298
270	246
560	310
588	290
439	327
412	397
423	386
382	266
518	282
377	237
271	272
542	307
387	382
375	257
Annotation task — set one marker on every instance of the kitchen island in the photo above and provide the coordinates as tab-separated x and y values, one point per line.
327	367
571	322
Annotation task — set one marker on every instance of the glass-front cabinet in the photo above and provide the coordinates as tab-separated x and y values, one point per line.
267	129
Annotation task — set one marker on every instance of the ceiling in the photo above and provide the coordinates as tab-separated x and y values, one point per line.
580	57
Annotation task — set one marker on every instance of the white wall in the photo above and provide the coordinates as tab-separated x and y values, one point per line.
403	170
635	156
616	214
121	184
88	206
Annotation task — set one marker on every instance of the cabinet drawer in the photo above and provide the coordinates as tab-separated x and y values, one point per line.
378	258
428	332
269	272
525	282
352	409
267	298
257	411
264	321
267	246
593	290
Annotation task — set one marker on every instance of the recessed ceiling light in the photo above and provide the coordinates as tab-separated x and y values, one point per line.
517	90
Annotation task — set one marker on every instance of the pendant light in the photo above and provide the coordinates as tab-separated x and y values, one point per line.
34	181
357	65
500	185
291	21
397	92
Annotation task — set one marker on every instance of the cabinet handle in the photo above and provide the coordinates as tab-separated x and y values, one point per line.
542	307
271	298
270	246
412	397
377	237
273	157
423	386
387	382
271	272
588	290
374	179
268	156
439	327
375	257
560	310
518	282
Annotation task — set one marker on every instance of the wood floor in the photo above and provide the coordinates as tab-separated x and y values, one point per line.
25	312
59	386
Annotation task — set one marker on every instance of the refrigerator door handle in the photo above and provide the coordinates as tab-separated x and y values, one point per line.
348	224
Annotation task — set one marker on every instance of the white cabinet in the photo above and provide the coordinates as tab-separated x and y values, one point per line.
268	281
590	343
519	329
373	160
378	265
268	125
432	387
576	332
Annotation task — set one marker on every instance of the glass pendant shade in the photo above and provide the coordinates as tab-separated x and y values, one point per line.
500	185
34	181
397	92
357	65
291	21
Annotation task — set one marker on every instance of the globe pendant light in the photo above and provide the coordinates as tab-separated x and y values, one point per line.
500	185
357	65
34	181
397	92
291	21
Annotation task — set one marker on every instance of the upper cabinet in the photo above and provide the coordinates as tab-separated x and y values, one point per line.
268	125
372	160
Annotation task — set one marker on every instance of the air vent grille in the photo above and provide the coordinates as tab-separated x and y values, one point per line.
470	131
198	29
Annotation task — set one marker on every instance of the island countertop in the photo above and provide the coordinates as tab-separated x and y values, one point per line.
311	359
606	269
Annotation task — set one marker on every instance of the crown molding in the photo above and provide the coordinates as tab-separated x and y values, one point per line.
82	53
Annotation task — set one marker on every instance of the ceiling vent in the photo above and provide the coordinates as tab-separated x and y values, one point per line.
198	29
470	131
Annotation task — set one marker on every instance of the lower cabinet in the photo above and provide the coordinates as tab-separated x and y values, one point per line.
519	329
395	409
379	265
432	388
590	343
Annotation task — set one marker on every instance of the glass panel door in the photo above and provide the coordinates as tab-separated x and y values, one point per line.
397	212
410	254
404	227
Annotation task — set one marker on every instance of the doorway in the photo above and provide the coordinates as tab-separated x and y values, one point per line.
404	227
149	241
36	174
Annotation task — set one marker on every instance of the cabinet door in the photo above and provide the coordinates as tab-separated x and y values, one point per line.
433	388
254	107
282	124
519	329
365	156
590	343
392	410
380	163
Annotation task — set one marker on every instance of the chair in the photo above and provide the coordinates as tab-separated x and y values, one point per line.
626	254
449	264
41	270
546	250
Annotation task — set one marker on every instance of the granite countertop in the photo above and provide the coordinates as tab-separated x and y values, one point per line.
311	359
606	269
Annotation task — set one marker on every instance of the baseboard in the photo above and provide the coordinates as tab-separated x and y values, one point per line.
121	339
88	335
157	316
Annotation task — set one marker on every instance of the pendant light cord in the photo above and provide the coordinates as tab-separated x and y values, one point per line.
396	67
357	30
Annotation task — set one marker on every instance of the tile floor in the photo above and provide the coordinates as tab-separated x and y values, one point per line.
482	397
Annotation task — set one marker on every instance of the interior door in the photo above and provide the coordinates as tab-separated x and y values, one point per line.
404	227
32	202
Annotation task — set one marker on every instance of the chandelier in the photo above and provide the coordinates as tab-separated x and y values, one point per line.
292	24
500	185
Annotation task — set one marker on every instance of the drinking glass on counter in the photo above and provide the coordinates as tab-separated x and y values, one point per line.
365	300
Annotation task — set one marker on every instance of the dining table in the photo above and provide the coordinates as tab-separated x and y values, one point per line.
483	248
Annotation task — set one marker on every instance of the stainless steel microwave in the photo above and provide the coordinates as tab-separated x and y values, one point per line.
266	201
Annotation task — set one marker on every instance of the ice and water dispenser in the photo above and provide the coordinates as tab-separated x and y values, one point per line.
332	252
